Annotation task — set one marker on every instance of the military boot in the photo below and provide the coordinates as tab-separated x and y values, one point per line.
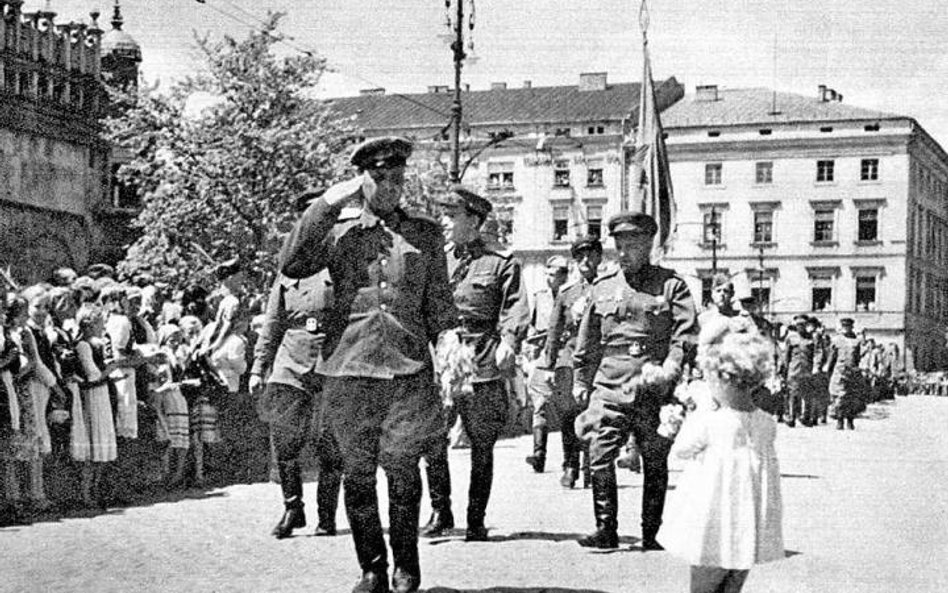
605	507
538	460
327	500
291	483
439	490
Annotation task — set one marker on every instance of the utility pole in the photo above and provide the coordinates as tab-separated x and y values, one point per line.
760	281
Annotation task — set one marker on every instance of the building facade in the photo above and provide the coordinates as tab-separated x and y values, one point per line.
54	165
818	208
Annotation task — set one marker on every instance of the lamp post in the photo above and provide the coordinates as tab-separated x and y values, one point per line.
714	240
456	26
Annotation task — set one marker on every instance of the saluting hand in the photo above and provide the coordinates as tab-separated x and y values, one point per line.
255	385
345	190
504	356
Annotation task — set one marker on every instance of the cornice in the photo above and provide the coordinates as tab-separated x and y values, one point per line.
789	147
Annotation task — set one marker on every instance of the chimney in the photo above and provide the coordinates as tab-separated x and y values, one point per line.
821	93
466	87
375	91
828	95
706	93
592	81
527	84
498	86
438	88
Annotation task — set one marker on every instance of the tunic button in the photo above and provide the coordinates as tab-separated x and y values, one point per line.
383	307
383	261
383	284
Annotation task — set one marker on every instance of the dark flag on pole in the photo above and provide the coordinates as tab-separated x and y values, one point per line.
651	179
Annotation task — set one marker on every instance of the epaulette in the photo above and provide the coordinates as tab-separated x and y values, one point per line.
349	213
607	271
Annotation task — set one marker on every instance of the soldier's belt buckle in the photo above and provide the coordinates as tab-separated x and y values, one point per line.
637	348
312	324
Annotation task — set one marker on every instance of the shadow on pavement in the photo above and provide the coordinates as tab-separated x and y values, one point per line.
457	536
502	589
801	476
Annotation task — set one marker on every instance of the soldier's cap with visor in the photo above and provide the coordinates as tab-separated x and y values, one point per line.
800	318
633	223
381	153
847	322
587	242
558	263
721	279
464	197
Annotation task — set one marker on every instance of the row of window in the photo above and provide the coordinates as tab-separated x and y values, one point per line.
764	171
824	225
500	175
821	293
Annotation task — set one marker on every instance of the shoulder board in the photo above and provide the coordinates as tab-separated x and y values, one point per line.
349	213
499	250
606	272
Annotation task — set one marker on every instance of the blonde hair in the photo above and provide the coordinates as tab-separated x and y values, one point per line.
88	316
734	353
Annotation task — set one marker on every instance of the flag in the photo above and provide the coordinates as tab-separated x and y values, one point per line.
651	189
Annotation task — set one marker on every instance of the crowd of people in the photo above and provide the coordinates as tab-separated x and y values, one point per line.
384	330
90	366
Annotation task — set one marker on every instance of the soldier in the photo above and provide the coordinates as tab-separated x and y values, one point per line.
842	365
556	362
797	367
288	348
557	271
493	316
722	299
632	342
391	300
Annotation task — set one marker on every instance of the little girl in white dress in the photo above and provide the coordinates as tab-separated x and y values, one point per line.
725	514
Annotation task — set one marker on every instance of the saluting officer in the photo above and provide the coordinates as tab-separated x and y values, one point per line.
288	348
556	361
489	295
632	342
391	300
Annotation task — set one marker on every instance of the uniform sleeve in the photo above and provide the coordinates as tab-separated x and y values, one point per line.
555	332
307	249
514	315
684	332
271	333
440	312
588	353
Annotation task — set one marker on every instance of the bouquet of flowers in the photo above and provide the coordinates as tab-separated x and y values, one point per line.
455	365
671	417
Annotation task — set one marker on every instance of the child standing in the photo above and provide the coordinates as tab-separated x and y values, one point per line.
171	407
100	426
726	512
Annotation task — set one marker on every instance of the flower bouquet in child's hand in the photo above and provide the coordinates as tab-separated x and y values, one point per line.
454	361
670	418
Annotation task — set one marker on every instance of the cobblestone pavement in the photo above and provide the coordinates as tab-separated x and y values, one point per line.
863	511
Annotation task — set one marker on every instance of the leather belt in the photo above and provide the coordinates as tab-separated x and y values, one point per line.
635	348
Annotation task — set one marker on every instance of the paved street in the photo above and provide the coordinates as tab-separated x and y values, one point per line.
864	511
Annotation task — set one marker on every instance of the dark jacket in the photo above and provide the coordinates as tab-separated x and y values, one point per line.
391	295
567	312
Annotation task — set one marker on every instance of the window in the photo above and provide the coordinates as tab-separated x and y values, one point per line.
763	226
869	170
560	223
561	173
594	221
765	172
865	293
761	296
500	175
824	171
712	173
594	173
823	225
711	226
821	294
596	130
868	224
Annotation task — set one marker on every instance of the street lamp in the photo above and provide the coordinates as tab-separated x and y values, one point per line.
456	28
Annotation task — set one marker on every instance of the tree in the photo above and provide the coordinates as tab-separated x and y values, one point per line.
223	183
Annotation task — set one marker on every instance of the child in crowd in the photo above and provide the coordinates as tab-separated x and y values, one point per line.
726	511
99	423
170	405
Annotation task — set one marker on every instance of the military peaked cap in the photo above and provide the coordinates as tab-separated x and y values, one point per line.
583	243
467	199
847	322
557	261
381	153
632	222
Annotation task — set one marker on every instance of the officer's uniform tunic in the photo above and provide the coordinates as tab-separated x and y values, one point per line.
489	295
557	357
289	347
631	320
843	366
391	300
798	361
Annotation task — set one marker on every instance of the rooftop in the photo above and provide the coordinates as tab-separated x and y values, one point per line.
524	105
711	106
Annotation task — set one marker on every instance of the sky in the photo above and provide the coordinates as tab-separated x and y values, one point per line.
888	55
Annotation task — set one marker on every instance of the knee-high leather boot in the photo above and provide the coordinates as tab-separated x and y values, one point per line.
538	459
605	507
291	483
327	498
439	490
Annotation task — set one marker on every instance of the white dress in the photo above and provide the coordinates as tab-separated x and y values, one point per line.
726	510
